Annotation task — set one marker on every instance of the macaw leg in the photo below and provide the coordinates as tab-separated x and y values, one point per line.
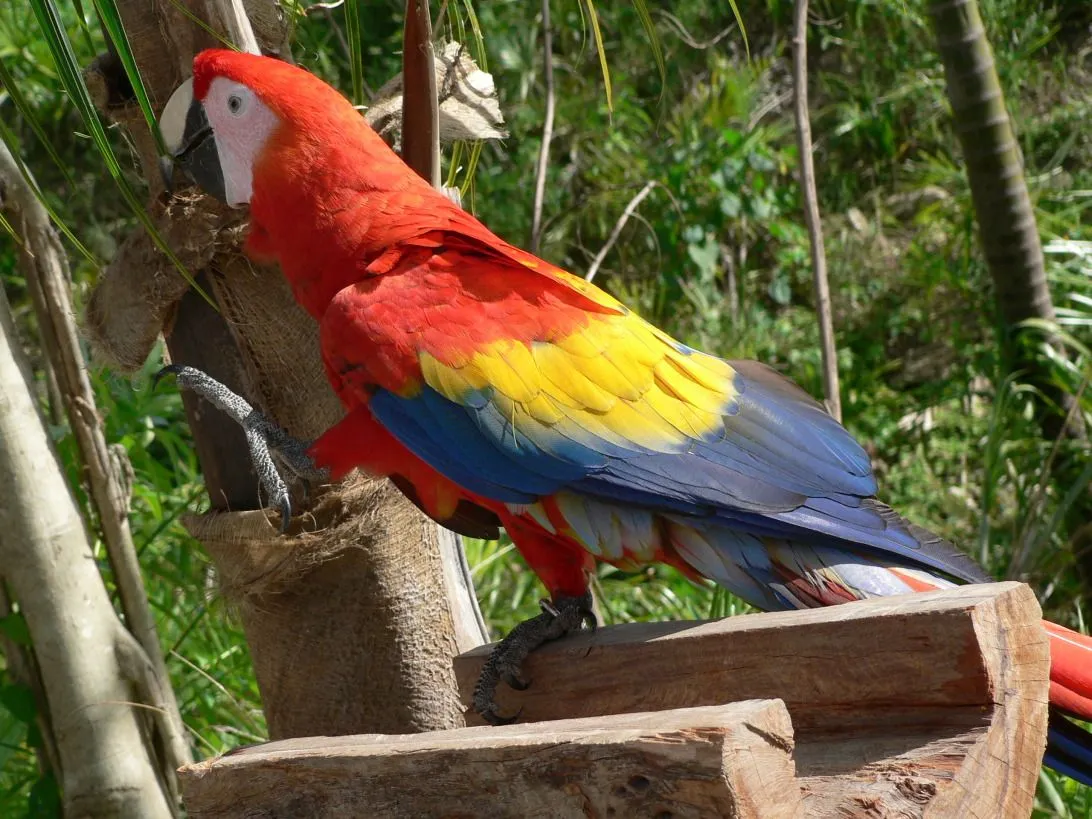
559	617
564	571
264	438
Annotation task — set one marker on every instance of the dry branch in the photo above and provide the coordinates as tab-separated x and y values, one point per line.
420	99
547	129
631	206
832	393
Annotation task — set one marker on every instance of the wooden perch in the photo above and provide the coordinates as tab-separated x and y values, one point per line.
929	705
718	761
921	705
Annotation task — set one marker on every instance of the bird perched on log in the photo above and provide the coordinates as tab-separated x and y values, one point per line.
496	389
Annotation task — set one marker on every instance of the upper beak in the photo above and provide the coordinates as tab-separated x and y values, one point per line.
190	143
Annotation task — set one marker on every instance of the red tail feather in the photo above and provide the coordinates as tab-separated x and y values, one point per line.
1070	670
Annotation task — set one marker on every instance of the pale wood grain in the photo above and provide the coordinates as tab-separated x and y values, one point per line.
729	760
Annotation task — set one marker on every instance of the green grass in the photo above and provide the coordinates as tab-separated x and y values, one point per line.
954	444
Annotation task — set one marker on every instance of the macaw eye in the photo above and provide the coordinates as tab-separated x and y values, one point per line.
235	104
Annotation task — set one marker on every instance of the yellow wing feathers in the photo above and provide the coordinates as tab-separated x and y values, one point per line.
617	378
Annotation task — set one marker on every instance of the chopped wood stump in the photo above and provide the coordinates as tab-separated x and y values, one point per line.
927	705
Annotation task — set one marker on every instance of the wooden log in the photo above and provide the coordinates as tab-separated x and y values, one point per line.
729	760
922	705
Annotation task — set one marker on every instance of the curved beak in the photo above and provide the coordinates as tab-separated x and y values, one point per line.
190	143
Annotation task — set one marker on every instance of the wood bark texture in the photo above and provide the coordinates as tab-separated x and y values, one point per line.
350	619
927	705
105	768
728	760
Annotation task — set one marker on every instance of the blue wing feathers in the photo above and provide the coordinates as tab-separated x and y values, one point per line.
781	468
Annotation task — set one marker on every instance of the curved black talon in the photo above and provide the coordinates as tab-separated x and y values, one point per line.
515	681
559	617
495	719
170	369
285	506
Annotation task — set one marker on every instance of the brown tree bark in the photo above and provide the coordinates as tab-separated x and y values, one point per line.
353	617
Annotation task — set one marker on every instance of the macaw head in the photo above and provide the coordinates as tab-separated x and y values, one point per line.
219	126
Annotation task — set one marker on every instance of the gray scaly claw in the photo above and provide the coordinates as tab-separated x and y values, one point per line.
264	438
562	616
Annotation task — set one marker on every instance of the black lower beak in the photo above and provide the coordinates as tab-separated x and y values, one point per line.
197	156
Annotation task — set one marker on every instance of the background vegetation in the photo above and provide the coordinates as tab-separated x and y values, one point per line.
953	439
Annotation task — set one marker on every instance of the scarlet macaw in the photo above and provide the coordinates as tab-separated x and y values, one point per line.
496	389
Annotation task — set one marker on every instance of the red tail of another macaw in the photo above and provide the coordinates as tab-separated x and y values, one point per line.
1069	748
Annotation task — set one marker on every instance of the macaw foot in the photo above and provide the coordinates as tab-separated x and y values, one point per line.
563	616
264	438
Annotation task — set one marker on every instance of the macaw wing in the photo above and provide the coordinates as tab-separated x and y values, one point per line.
609	407
622	412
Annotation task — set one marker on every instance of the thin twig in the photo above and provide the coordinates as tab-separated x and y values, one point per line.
811	209
621	223
547	129
688	38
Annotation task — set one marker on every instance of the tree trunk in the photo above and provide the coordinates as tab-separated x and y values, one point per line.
106	769
352	619
995	171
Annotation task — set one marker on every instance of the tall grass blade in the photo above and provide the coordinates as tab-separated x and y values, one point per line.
356	49
201	24
13	146
597	34
641	7
8	229
84	27
742	28
479	40
23	107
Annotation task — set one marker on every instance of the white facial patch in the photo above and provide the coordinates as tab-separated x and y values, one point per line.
241	125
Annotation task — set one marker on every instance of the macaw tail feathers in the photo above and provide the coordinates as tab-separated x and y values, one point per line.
1069	749
1070	670
1069	746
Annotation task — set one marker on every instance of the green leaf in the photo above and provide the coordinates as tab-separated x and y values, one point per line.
597	35
45	798
653	38
197	21
14	627
18	700
17	97
13	146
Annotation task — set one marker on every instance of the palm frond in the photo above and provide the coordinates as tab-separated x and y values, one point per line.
64	58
